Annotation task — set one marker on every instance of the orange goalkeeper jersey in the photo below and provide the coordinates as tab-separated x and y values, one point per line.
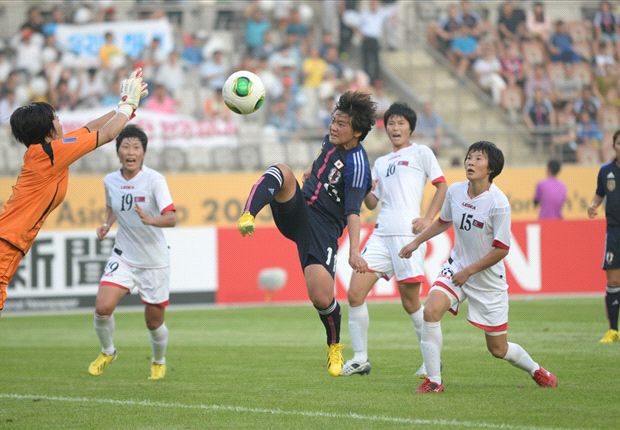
41	186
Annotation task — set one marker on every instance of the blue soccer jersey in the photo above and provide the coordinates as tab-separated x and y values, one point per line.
339	181
607	185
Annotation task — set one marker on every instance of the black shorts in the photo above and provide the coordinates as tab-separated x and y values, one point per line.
611	260
315	236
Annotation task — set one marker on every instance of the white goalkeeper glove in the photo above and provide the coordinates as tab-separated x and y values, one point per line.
133	89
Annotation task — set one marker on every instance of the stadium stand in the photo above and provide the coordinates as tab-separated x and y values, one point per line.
276	42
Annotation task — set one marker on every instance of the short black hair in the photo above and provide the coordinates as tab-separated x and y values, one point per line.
554	167
616	134
132	131
493	153
32	123
362	110
404	110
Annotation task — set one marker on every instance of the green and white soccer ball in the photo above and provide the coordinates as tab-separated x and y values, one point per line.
243	92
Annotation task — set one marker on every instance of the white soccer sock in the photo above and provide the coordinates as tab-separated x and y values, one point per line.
431	343
104	327
418	321
358	331
159	343
518	357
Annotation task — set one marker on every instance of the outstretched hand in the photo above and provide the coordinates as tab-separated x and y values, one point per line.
133	89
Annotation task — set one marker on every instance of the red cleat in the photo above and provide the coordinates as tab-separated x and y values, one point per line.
544	378
429	386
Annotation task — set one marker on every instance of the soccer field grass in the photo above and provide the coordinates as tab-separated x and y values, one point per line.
264	368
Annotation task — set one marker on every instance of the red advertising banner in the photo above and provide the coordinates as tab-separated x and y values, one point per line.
546	258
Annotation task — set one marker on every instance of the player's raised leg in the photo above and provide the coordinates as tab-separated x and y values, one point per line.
436	306
320	286
108	298
359	287
514	353
154	317
276	183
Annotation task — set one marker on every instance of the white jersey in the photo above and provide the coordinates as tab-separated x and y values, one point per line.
401	179
480	224
139	245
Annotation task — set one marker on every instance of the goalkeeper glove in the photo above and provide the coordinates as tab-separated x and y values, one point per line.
133	90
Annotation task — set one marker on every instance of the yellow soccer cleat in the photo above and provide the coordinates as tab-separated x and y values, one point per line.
102	361
334	359
158	371
610	336
245	224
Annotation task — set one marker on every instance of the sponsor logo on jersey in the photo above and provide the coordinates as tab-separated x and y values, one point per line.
611	181
402	163
469	205
478	224
69	140
140	199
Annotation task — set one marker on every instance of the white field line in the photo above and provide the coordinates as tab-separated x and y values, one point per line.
280	412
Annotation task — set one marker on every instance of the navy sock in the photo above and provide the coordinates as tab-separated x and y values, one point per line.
612	302
330	318
264	190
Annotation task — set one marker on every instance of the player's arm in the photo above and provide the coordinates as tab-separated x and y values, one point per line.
599	195
493	257
371	200
420	224
596	202
96	124
306	174
110	219
437	227
356	261
167	219
133	90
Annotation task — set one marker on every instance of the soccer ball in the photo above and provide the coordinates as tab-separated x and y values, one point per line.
243	92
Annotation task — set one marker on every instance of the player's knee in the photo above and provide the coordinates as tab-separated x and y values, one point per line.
355	298
104	309
432	313
286	171
153	323
498	351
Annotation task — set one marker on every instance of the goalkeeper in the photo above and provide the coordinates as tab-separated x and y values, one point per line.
42	183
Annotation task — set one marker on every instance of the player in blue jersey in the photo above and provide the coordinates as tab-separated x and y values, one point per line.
315	215
608	187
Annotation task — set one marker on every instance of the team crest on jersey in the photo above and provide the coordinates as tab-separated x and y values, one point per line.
334	175
609	257
339	164
611	181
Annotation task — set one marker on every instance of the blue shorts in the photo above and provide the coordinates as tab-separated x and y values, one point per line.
316	237
611	259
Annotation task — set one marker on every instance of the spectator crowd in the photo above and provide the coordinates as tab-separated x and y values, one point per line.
299	61
562	77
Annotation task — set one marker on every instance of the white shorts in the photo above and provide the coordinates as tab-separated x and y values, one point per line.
381	254
488	309
153	285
